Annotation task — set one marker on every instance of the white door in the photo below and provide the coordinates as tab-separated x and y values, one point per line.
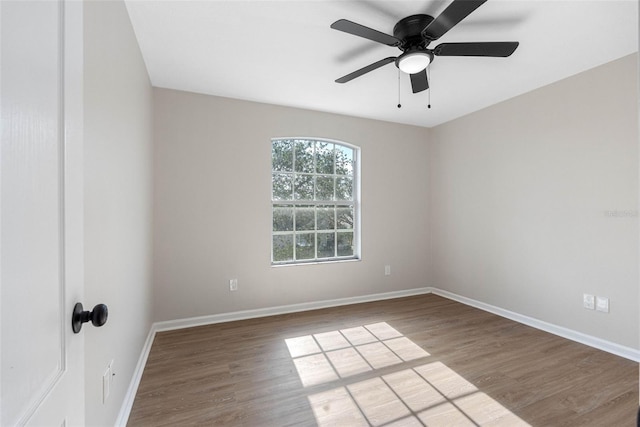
42	361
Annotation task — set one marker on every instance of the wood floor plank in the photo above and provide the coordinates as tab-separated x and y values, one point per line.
422	360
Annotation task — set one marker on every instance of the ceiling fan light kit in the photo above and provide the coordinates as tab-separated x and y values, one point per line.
412	62
413	34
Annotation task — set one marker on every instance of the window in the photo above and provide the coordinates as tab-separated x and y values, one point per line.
314	198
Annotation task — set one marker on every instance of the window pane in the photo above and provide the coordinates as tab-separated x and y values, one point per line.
313	200
326	220
304	187
324	188
344	160
344	216
326	245
344	188
324	158
283	248
282	155
345	244
305	246
282	186
305	219
304	156
282	218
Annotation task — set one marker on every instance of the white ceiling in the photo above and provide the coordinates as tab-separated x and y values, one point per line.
284	53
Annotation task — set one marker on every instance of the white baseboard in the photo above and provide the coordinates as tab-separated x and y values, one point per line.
123	416
283	309
591	341
127	403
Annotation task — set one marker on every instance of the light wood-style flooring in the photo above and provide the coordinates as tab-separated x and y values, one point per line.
416	361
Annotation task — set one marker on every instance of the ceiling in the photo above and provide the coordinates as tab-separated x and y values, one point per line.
285	53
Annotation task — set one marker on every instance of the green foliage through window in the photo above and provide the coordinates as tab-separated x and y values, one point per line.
314	200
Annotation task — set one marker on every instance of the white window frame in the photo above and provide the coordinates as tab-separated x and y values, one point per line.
356	202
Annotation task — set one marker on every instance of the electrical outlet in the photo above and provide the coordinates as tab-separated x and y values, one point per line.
602	304
588	301
387	270
233	285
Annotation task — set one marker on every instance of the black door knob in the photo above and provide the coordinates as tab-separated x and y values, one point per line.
98	316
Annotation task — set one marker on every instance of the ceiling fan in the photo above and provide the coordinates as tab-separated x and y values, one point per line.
414	33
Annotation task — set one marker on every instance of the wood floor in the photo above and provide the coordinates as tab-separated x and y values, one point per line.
417	361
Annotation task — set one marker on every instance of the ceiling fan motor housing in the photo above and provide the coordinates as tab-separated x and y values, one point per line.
409	31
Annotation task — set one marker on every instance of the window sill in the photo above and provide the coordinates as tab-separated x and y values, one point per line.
332	261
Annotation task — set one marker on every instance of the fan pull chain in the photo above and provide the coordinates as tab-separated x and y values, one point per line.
399	104
430	84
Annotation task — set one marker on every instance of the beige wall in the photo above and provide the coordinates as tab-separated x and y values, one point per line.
118	143
519	198
212	214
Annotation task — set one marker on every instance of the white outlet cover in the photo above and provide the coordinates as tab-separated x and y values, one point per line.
602	304
588	301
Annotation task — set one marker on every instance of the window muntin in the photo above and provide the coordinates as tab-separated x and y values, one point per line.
314	200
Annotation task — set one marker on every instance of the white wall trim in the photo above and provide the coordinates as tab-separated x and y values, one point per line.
604	345
591	341
283	309
130	396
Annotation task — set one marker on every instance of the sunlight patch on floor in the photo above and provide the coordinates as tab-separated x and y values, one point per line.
445	414
378	355
348	362
336	408
302	346
383	331
414	391
445	380
429	394
359	335
314	369
333	340
350	352
406	349
378	402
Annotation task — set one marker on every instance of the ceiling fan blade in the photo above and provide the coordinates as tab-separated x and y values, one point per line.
419	81
454	13
366	32
495	49
366	69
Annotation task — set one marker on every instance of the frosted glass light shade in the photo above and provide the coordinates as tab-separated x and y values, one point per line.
414	62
